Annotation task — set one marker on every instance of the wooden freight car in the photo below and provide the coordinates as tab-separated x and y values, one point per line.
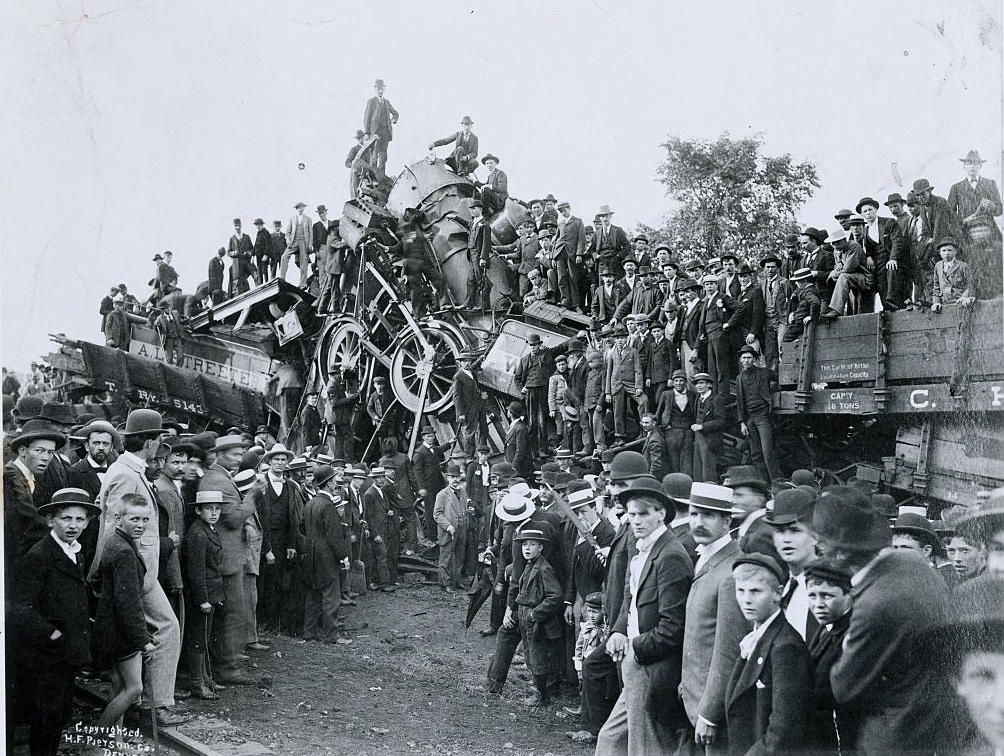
918	395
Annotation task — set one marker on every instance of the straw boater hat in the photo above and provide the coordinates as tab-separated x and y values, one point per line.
69	497
208	497
514	508
580	494
228	442
711	497
531	534
523	489
245	480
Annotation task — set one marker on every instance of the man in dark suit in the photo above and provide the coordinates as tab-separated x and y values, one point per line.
587	569
623	382
107	305
756	412
464	158
427	464
606	298
50	620
647	637
280	500
470	405
533	371
239	249
675	415
766	706
216	276
692	312
610	244
654	448
746	324
262	252
378	120
977	201
479	247
884	243
820	261
517	441
897	598
776	292
495	189
716	341
326	555
728	281
573	238
100	441
709	422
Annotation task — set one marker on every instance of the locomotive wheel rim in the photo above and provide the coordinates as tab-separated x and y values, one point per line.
345	348
412	362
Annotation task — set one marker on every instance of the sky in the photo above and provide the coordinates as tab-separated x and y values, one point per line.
130	128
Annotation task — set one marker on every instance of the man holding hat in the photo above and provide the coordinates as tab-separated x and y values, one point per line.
219	477
714	624
50	620
142	443
326	555
464	158
897	599
378	120
648	635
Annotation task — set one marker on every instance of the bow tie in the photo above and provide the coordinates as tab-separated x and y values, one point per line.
100	469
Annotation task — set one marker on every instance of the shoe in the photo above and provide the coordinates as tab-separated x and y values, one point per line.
258	646
349	602
890	306
181	695
536	701
353	594
373	587
388	589
489	631
236	677
829	315
582	736
343	641
202	692
575	712
168	718
243	657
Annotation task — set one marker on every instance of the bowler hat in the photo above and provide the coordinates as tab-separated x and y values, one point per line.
866	201
205	441
803	477
627	465
259	222
646	485
893	199
531	534
762	560
815	234
454	469
922	185
378	84
158	257
828	571
842	214
845	517
228	442
919	527
322	474
533	338
677	486
298	205
27	408
503	469
58	413
143	422
69	497
791	241
488	157
467	119
251	459
684	283
885	504
745	475
322	209
516	409
972	157
694	265
790	506
575	345
514	507
802	274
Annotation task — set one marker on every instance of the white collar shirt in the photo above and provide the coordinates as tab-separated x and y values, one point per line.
747	644
796	609
644	546
70	549
28	474
706	551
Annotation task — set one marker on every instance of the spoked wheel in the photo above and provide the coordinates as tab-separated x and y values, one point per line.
413	362
345	349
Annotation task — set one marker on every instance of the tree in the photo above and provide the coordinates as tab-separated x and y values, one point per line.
731	196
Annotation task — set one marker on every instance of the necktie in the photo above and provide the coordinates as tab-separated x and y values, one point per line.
789	589
747	644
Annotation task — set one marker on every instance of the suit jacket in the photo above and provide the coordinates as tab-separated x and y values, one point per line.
642	300
586	570
603	304
623	370
479	244
326	542
783	291
465	146
940	220
964	201
320	234
498	182
767	708
668	415
379	118
713	316
426	466
276	516
573	236
714	628
201	554
690	328
658	361
751	309
654	451
808	304
517	448
231	523
310	423
172	518
263	244
306	223
240	246
732	290
450	509
50	595
951	285
23	525
377	508
610	244
617	561
661	606
125	476
215	273
753	391
901	701
119	624
118	330
825	648
710	413
820	263
467	396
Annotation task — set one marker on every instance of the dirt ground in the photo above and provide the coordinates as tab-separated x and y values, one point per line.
412	681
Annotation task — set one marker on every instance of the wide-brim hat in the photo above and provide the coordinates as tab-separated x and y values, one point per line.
745	475
972	157
514	508
99	426
922	185
802	274
604	210
522	488
769	258
143	422
842	213
70	497
711	497
979	526
488	157
893	199
790	506
467	119
684	282
845	517
919	527
866	201
276	450
228	442
37	430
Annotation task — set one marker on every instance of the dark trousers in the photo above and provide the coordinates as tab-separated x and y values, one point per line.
706	458
392	540
497	612
600	688
320	615
274	601
378	557
479	287
428	521
537	417
231	636
45	696
506	642
451	556
761	440
680	446
718	362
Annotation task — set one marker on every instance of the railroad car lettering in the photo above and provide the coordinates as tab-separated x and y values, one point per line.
918	398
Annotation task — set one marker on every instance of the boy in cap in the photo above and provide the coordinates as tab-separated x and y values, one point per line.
767	709
50	620
598	682
834	728
451	515
201	554
539	603
952	278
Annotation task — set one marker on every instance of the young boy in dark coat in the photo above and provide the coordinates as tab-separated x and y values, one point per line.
50	620
201	553
767	708
540	604
834	728
120	632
